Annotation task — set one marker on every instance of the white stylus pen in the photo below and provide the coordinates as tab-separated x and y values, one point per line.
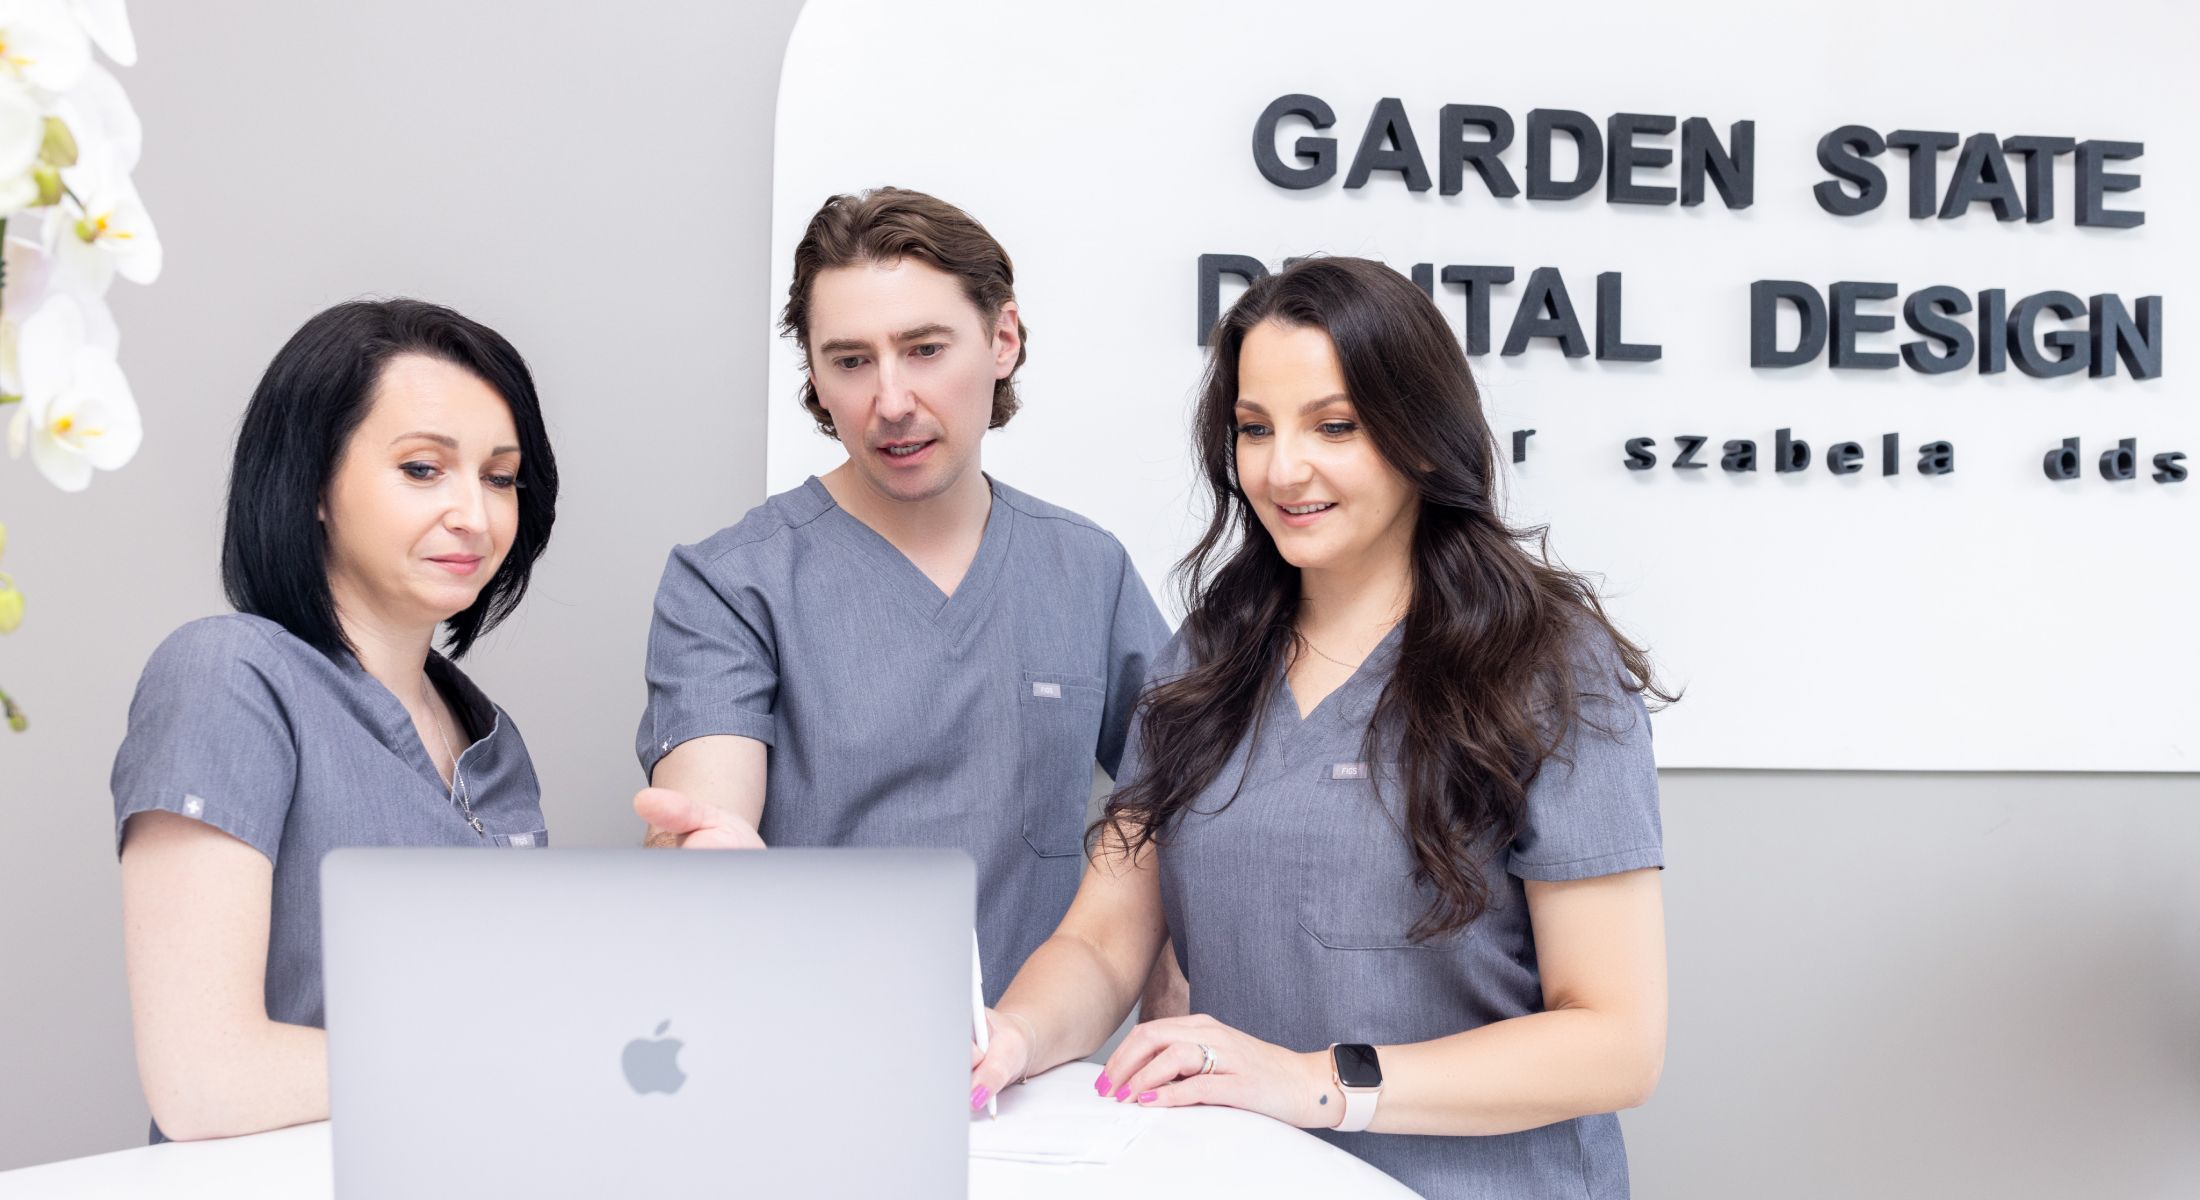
977	1016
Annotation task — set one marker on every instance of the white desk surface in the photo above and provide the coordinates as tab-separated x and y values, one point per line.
1204	1152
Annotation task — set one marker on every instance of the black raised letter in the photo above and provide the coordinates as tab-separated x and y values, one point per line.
1319	153
1993	332
1924	146
2122	463
1765	296
1929	312
2032	359
1542	123
2094	183
1389	145
1478	282
1610	344
1546	312
1734	175
2061	465
1623	156
1982	174
1842	154
1456	153
2039	172
1789	455
1847	323
2115	334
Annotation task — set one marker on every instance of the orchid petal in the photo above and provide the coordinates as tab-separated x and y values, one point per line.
108	134
47	346
22	130
29	271
108	23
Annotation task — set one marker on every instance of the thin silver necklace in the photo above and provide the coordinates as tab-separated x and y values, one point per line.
458	777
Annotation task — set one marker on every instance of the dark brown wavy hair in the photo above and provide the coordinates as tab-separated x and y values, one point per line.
887	225
1500	644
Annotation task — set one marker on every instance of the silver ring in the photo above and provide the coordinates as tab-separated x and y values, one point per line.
1207	1058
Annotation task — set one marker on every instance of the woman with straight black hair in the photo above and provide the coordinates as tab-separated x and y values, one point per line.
392	479
1390	790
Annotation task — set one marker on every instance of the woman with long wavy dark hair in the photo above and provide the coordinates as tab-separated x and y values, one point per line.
1390	795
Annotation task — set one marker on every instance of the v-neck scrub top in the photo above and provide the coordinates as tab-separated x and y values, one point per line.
897	715
1288	887
239	724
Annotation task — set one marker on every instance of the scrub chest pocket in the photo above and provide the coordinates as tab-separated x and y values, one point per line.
1058	736
1360	893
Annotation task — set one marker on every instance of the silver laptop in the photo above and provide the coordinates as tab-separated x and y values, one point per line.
598	1023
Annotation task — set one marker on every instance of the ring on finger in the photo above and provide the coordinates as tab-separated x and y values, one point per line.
1206	1058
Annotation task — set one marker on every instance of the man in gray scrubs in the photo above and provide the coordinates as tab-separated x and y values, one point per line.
904	652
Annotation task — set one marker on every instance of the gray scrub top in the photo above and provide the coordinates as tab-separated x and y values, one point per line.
241	725
1290	906
900	716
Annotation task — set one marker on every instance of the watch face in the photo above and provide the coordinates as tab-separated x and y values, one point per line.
1357	1066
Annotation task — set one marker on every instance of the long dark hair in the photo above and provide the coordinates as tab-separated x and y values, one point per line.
1500	644
308	404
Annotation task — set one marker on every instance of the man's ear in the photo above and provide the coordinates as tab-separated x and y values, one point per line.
1008	340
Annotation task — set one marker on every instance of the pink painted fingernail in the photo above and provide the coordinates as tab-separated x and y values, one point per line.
978	1095
1123	1091
1100	1085
1145	1097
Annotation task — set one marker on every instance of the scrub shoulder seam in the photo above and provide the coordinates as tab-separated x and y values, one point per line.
714	557
1047	512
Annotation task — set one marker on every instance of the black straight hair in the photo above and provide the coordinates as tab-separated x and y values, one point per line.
310	401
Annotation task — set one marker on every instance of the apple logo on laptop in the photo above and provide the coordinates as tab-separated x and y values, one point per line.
650	1065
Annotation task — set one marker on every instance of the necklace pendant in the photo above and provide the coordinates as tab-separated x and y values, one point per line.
476	823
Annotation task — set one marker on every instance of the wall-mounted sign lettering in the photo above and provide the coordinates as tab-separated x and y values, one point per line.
1845	358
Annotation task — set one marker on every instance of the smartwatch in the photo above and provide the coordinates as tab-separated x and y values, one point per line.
1359	1075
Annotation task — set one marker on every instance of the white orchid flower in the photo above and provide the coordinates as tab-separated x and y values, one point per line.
41	44
110	234
77	413
108	23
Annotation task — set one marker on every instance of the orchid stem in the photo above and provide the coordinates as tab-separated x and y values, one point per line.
15	718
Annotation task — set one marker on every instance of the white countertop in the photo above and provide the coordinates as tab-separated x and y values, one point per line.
1206	1152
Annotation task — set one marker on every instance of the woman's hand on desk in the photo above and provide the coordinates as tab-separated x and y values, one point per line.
676	819
1159	1065
1005	1060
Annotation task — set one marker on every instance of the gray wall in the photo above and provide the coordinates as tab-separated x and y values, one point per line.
1924	985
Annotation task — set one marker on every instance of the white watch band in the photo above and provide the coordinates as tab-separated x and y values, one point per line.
1359	1108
